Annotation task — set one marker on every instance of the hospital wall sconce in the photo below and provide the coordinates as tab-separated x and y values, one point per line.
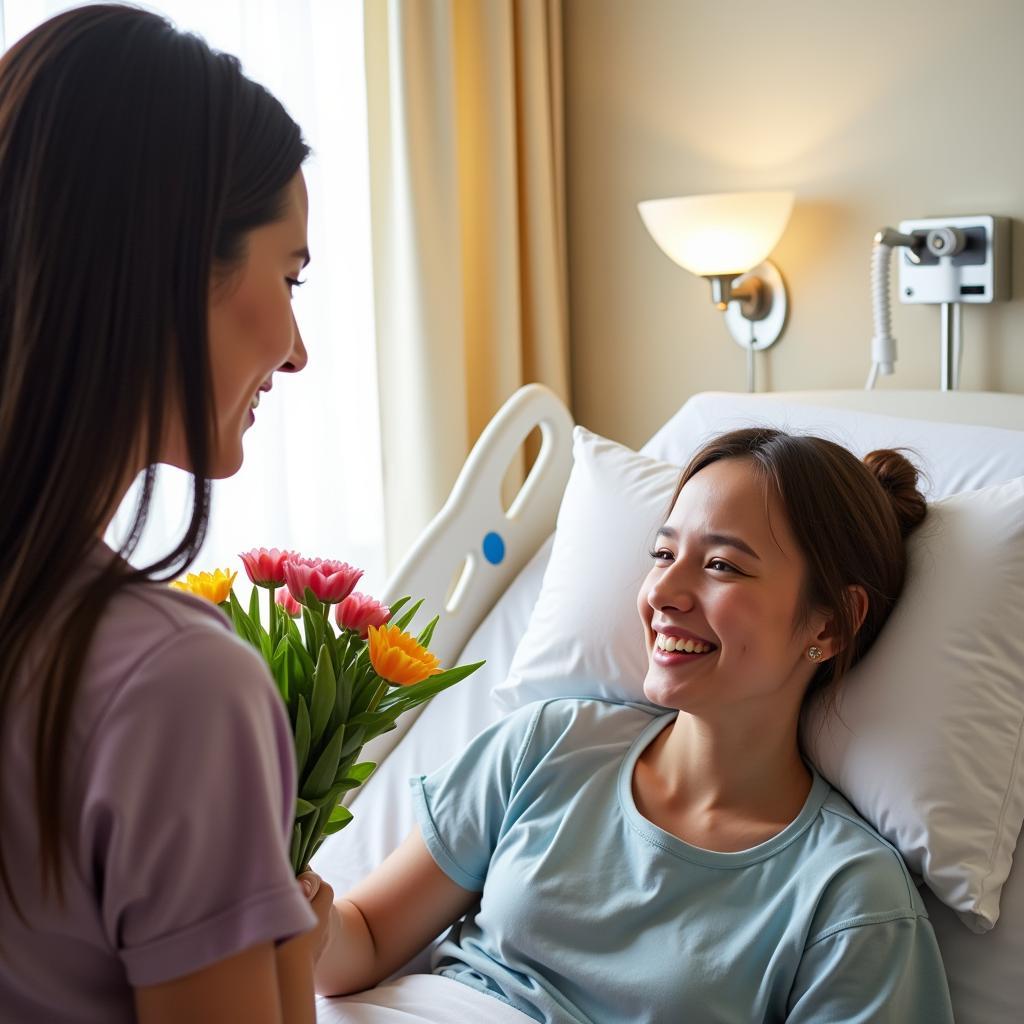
726	238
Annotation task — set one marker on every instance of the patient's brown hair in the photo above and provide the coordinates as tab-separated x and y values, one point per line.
851	518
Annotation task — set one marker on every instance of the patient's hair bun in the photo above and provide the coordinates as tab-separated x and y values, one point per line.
898	477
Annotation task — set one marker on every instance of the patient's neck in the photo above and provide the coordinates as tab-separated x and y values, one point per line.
750	770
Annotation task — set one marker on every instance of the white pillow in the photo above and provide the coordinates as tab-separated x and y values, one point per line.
584	638
938	773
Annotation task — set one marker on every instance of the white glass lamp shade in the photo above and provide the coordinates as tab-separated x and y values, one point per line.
722	234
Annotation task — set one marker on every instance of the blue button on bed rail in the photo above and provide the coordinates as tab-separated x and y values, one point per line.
494	548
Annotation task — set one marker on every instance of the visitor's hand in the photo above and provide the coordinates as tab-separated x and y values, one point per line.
321	898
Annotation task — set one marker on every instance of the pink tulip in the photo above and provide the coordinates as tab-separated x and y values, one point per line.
266	568
288	603
359	612
330	582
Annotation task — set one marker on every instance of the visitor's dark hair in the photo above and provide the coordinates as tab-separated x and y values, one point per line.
134	159
851	519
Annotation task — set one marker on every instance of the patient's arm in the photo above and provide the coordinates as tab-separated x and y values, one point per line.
388	918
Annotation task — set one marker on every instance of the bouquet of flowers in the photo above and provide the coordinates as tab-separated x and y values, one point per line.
341	688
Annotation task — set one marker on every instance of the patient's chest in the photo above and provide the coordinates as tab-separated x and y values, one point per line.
620	924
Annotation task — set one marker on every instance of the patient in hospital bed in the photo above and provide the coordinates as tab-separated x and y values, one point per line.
601	861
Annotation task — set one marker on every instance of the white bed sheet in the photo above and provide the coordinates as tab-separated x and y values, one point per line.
418	999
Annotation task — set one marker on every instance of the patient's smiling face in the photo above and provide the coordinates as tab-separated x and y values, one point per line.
727	576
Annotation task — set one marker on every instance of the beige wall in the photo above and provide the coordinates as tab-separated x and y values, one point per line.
872	112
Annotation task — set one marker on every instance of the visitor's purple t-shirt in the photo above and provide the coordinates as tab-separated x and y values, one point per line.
178	808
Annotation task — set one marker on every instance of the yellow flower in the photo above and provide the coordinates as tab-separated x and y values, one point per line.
214	586
397	657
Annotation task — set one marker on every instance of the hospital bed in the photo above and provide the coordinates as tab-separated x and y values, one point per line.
483	564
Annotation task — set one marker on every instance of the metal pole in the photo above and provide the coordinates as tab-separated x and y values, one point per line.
958	343
947	316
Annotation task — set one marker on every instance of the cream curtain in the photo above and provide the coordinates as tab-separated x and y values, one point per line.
468	226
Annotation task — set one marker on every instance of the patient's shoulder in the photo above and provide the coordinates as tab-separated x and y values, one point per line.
863	878
587	722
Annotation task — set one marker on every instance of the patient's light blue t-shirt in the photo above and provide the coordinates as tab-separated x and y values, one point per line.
589	912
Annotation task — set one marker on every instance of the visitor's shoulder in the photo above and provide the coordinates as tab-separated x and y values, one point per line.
149	631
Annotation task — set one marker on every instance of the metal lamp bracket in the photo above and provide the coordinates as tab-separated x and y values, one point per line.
757	306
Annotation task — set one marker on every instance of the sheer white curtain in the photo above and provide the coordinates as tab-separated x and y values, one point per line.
312	476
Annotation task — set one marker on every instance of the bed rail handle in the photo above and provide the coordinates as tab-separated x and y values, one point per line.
473	532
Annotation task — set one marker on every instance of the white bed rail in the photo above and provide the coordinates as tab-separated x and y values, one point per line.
473	548
473	537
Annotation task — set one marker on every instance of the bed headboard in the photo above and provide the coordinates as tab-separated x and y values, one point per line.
982	408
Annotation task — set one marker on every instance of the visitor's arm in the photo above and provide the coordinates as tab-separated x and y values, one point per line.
260	985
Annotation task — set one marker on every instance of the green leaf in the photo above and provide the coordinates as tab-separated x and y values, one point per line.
428	634
302	654
296	847
412	696
336	825
364	718
243	626
309	628
339	651
302	736
330	801
286	676
303	807
340	813
362	771
254	605
407	617
370	695
279	670
398	605
377	730
343	698
310	827
346	784
353	742
321	778
324	692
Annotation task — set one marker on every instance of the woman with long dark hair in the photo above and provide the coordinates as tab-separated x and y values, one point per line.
152	226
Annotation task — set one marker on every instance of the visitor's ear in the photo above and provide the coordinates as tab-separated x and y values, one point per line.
827	639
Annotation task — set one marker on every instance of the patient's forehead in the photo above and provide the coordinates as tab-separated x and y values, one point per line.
731	497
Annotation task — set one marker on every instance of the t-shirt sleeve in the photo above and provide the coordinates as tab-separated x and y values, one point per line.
884	972
461	808
188	805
